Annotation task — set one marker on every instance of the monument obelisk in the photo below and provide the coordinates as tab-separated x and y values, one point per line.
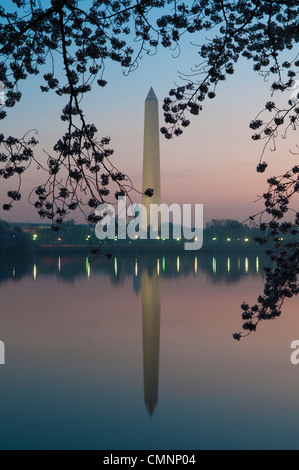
151	157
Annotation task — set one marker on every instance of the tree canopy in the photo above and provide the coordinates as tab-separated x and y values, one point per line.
82	36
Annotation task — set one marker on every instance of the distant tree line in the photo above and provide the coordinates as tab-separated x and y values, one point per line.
13	239
223	234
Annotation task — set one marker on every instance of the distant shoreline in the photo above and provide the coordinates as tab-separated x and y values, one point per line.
113	248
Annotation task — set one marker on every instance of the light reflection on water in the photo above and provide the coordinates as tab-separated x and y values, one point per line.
85	342
68	268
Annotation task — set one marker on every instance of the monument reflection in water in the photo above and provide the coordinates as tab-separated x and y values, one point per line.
147	273
151	305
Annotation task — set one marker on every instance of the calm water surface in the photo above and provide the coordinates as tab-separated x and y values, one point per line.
137	353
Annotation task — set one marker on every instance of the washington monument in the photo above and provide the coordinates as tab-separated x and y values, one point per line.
151	156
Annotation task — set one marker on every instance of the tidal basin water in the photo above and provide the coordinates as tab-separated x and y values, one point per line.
137	353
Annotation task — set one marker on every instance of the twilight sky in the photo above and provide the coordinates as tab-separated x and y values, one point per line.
212	163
